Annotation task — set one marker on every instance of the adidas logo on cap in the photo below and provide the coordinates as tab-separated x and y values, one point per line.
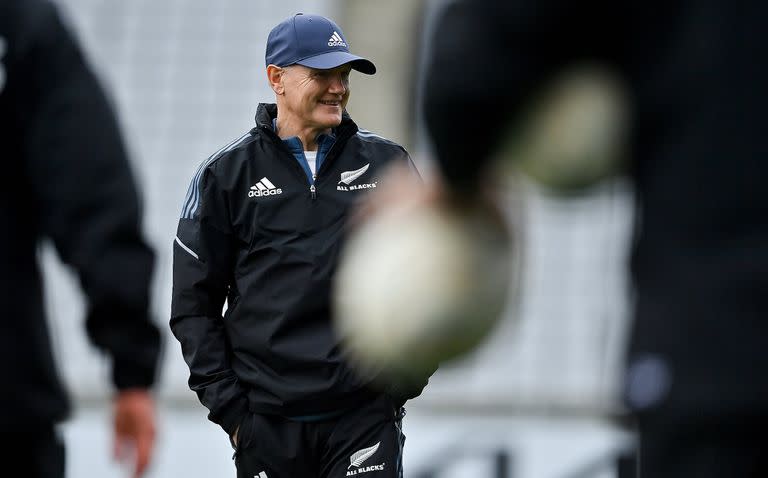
336	40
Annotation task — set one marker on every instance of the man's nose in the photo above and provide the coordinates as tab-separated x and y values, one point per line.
338	85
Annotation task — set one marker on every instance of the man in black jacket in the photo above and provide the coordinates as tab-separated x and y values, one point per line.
67	180
261	229
696	73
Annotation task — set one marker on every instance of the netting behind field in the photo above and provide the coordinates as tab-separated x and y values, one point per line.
186	76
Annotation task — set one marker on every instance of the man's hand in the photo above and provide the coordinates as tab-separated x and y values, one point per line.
134	419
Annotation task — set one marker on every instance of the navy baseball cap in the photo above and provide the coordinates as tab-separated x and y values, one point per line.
313	41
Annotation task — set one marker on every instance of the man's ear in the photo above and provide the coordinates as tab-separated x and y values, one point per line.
275	77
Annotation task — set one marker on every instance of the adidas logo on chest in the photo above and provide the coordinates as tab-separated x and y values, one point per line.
264	187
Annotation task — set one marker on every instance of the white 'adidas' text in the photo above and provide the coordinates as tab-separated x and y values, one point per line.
264	188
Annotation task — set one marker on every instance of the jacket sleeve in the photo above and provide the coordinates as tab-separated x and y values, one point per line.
203	262
85	196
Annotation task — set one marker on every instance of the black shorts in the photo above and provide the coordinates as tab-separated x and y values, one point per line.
365	442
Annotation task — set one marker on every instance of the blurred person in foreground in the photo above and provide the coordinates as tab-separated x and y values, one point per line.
67	180
261	229
695	73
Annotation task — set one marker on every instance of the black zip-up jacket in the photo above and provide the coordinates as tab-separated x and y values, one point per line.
66	178
257	233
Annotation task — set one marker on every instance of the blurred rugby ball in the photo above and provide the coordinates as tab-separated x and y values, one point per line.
574	134
419	286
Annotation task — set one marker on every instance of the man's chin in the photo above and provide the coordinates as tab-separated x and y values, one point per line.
330	121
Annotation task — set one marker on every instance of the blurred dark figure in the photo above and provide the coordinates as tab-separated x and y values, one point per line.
696	72
67	179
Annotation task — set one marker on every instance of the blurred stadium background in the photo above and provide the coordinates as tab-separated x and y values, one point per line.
185	76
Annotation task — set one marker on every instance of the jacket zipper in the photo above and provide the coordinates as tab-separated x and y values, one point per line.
312	188
328	158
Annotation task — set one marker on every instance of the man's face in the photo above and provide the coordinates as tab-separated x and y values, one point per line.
315	98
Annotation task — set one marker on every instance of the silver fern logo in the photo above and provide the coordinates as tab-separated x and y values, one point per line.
359	457
348	177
